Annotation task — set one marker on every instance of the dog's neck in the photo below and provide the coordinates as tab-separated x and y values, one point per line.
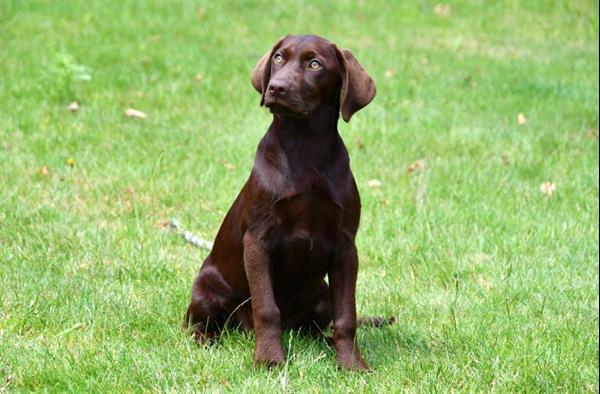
308	144
317	130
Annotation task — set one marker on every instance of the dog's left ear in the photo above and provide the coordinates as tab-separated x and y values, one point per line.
358	89
262	72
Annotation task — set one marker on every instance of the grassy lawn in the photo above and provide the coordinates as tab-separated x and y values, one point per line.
494	282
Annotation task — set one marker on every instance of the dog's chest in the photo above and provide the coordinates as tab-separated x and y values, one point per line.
310	210
307	214
305	230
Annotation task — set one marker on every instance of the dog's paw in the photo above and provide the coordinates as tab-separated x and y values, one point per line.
269	363
200	335
352	363
269	356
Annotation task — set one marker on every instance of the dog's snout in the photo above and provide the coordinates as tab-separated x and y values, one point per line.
278	87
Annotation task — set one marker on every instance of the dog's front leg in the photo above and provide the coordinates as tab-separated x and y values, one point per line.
342	283
265	313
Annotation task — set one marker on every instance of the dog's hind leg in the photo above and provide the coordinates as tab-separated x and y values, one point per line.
205	316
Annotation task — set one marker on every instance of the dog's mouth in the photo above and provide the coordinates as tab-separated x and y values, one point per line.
281	107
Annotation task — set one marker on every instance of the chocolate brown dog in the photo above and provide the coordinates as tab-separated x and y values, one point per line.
296	218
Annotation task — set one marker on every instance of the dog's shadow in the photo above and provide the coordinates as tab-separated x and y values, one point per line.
394	338
376	343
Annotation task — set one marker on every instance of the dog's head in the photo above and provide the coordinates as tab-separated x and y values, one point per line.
302	73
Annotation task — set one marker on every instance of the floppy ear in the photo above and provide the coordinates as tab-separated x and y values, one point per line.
358	89
262	72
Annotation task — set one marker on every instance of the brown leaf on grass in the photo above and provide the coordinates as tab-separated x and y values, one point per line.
521	118
44	171
442	10
374	183
228	166
163	224
73	107
359	142
548	188
134	113
417	166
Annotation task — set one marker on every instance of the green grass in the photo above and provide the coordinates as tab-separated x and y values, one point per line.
494	283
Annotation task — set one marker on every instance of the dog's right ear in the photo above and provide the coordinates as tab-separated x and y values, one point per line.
262	72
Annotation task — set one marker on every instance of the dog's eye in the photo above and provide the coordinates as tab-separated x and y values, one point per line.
278	58
314	64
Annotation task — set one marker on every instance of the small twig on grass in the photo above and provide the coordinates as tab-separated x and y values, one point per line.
76	326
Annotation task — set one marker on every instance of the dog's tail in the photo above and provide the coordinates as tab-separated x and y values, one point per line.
376	321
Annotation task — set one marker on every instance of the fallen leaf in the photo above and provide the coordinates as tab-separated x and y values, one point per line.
548	188
44	171
484	282
163	224
417	166
442	10
73	107
71	162
374	183
521	118
359	142
478	258
134	113
228	166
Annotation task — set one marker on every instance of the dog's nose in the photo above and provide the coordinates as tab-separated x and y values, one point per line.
278	87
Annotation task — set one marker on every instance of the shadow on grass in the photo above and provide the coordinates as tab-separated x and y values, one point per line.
303	348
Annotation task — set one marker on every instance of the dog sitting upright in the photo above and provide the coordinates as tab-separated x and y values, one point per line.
296	218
